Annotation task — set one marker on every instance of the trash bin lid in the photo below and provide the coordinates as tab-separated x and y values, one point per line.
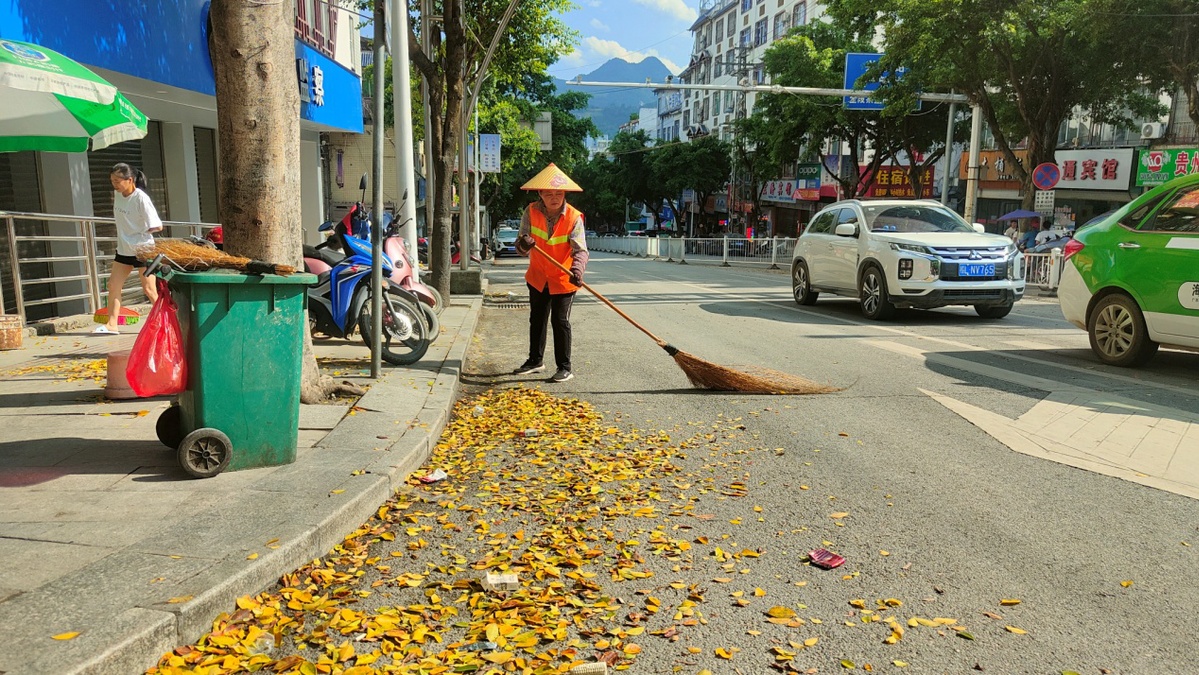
231	277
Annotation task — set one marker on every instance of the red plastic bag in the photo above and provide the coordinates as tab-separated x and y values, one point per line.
158	364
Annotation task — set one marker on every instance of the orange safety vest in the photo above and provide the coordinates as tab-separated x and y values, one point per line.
556	243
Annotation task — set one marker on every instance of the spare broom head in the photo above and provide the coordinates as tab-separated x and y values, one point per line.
194	258
707	375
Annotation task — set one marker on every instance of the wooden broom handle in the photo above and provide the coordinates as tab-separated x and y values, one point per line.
655	338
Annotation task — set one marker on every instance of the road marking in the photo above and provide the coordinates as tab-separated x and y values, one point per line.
1097	431
1161	462
1133	381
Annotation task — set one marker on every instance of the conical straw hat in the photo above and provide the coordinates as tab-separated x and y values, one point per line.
552	178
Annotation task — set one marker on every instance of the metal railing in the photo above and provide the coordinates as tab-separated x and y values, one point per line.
773	252
55	262
1044	269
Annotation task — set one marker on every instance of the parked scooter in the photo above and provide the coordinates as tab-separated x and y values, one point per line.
332	250
339	303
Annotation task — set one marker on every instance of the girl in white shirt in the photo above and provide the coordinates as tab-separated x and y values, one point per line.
136	220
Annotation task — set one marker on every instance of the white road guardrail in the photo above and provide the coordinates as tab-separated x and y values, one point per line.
772	252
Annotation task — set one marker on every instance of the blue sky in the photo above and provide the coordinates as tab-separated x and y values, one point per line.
628	29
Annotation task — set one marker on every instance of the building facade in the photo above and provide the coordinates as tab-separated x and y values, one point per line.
157	55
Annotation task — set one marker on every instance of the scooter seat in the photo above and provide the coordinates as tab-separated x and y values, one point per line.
326	255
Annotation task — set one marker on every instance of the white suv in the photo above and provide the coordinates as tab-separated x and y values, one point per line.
902	253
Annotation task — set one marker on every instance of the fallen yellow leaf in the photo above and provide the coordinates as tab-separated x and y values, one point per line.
1017	631
252	556
182	598
1008	602
1127	583
67	636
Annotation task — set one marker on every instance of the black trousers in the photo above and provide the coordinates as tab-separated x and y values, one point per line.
546	308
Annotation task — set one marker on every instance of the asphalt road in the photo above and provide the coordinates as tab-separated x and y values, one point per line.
933	512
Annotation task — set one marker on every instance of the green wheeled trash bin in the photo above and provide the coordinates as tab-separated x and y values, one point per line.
244	339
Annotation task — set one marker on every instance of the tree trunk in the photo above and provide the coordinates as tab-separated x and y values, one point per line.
258	123
446	87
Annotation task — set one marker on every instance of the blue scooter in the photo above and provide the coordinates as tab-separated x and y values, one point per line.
339	301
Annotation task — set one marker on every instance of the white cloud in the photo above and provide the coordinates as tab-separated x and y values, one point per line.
675	8
608	49
595	3
599	25
573	60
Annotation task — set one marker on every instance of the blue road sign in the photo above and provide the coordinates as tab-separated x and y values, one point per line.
856	64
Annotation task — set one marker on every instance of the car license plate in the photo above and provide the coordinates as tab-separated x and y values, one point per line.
976	269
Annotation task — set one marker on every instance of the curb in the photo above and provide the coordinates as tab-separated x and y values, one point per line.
361	457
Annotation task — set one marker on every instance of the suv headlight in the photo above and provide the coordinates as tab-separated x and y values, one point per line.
913	248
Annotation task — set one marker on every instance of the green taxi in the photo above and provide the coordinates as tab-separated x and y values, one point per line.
1132	281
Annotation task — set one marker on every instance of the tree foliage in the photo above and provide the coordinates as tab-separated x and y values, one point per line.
533	39
789	126
1162	37
702	165
1027	63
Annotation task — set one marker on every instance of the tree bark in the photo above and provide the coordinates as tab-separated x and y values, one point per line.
258	126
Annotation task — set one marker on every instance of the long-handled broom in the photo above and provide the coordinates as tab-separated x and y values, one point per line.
707	375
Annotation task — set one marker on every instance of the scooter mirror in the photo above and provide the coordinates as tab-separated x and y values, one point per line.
325	226
362	182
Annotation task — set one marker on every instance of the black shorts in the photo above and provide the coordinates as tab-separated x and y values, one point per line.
128	260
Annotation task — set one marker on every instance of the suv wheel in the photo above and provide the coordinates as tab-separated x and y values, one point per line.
1118	334
993	311
872	290
801	284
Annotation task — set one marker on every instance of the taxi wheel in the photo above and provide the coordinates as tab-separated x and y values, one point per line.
1118	333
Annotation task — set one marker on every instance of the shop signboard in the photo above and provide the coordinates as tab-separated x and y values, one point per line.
1099	169
807	182
781	191
893	182
1155	167
995	172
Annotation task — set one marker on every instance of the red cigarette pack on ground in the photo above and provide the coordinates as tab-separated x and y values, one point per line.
825	559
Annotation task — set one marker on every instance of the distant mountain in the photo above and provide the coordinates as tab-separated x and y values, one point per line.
611	107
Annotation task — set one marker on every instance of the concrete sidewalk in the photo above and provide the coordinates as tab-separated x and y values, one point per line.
102	533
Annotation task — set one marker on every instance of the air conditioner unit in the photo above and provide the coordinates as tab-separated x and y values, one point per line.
1151	130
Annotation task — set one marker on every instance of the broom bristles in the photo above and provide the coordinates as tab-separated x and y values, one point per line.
708	375
193	257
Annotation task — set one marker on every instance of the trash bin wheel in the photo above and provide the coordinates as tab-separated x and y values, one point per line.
205	452
170	426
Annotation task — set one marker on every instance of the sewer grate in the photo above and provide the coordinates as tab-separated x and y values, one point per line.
509	305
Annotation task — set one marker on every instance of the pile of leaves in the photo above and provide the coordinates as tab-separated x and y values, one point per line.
73	370
605	530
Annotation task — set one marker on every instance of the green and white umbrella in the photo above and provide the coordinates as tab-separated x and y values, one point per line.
53	104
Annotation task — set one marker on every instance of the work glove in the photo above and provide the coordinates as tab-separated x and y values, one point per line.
576	273
525	244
